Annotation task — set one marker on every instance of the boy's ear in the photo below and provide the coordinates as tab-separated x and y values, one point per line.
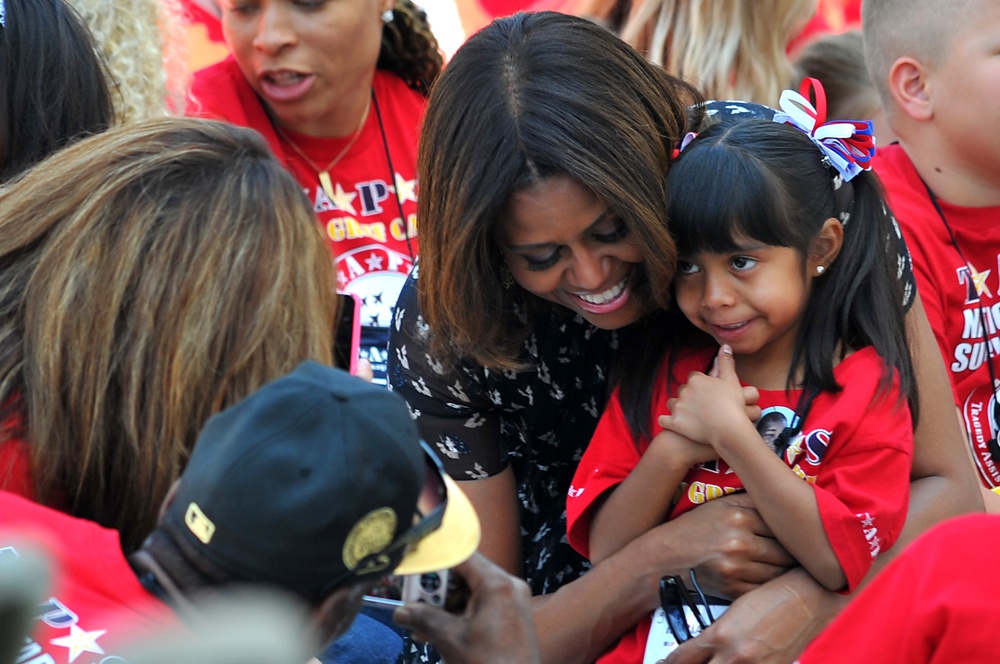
826	246
908	86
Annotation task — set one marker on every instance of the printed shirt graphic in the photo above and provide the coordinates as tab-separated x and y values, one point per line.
95	604
962	300
373	245
856	450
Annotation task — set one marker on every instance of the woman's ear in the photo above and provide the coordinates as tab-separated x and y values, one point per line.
826	246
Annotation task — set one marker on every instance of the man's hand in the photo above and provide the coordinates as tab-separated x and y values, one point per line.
494	628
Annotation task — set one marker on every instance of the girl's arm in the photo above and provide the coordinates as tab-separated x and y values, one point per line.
642	501
786	503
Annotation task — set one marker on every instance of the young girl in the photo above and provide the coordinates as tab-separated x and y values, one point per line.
783	287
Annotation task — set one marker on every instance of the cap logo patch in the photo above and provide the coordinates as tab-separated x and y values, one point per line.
199	524
371	534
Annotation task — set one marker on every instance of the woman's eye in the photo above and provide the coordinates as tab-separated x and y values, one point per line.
686	267
538	264
743	262
310	5
617	233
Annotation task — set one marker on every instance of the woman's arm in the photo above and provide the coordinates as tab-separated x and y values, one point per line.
495	500
724	539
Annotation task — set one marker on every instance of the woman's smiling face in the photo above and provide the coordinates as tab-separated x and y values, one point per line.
565	245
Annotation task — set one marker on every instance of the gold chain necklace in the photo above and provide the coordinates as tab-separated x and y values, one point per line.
324	174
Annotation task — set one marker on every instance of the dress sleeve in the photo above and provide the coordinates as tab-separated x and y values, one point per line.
448	399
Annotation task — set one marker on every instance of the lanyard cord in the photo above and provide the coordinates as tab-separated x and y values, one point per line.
392	176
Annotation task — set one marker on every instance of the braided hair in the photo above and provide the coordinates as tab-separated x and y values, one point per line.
409	48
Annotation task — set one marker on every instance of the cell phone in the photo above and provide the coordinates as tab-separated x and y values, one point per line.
431	588
347	333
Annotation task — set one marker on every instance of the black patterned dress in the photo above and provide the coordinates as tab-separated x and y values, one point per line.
538	421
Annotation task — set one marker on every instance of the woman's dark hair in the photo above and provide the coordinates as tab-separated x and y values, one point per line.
409	48
529	97
767	181
53	83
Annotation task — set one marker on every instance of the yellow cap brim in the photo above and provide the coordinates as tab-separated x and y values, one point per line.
449	545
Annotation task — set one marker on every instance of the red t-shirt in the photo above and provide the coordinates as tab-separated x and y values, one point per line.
95	604
856	449
15	460
954	293
933	604
362	222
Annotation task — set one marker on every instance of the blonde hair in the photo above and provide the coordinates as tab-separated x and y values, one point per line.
728	49
143	43
179	268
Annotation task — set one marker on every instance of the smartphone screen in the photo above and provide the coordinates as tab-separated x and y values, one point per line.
347	333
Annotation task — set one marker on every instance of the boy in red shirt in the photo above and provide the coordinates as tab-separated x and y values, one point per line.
935	66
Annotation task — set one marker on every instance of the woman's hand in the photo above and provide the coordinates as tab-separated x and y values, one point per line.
772	625
734	549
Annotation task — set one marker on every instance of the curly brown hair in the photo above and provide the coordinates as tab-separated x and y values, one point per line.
409	48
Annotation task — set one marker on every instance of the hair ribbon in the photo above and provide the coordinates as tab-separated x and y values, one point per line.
848	144
3	14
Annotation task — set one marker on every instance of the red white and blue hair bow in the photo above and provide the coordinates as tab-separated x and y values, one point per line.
848	144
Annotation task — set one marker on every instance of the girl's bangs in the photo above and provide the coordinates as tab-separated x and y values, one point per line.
717	200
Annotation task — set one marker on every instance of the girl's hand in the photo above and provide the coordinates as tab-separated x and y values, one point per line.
681	449
714	407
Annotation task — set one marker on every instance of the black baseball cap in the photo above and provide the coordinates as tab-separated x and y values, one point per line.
318	480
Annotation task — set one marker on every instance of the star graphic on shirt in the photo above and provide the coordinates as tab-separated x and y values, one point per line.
374	262
79	641
406	189
343	200
979	279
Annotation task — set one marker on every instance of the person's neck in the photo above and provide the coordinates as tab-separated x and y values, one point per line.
342	121
949	179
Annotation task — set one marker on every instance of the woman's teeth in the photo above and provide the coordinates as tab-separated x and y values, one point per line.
606	296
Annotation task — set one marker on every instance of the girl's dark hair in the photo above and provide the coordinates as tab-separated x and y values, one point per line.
53	83
409	48
767	181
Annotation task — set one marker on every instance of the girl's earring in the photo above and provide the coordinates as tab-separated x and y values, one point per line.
506	278
387	16
820	269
